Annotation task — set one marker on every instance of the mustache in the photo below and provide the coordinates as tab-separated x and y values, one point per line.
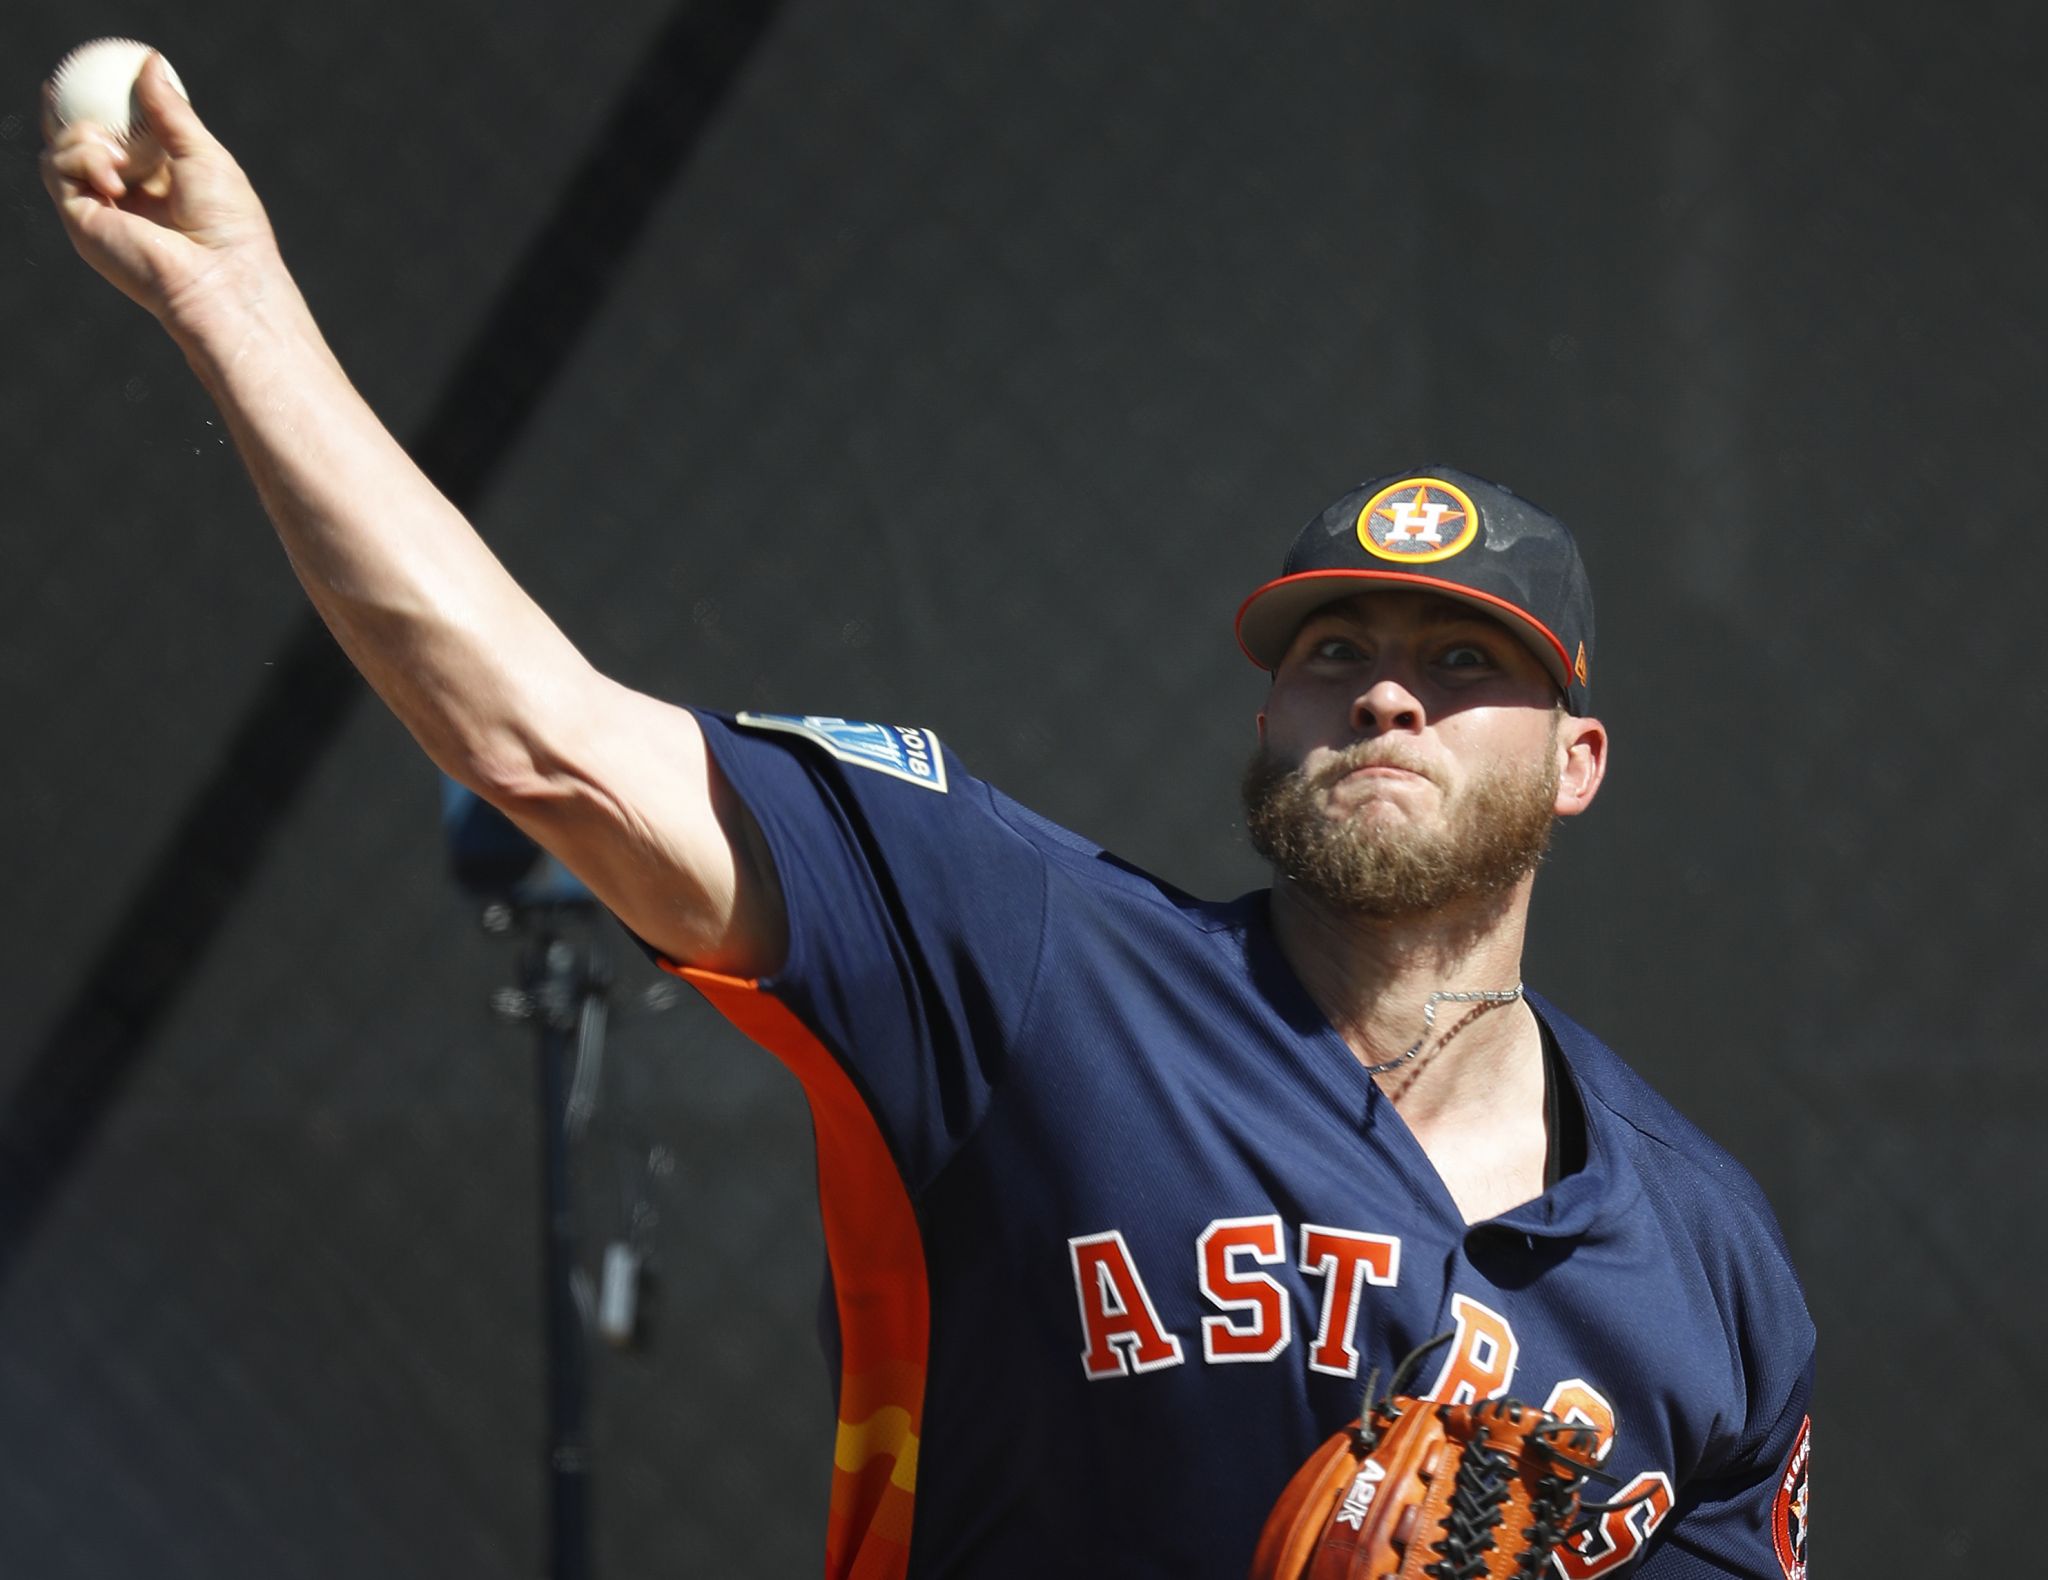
1372	754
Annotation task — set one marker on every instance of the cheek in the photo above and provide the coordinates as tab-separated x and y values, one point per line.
1514	743
1298	718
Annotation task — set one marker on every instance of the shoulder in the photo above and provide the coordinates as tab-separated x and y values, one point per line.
1663	1138
1701	1194
1696	1214
894	798
892	793
1089	871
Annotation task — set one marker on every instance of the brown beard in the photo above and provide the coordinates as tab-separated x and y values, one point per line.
1494	833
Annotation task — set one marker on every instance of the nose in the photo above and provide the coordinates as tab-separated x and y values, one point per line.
1385	707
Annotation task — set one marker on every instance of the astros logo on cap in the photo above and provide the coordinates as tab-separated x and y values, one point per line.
1418	520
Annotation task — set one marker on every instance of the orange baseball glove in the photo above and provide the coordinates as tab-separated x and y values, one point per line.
1415	1488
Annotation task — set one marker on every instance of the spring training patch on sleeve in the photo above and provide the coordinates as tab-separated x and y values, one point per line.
898	750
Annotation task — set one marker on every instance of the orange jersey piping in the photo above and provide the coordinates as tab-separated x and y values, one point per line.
878	1284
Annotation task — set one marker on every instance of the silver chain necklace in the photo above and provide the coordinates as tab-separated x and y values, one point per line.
1480	996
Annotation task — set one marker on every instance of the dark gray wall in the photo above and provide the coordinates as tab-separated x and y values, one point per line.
977	363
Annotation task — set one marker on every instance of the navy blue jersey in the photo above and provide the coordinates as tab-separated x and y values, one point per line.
1118	1224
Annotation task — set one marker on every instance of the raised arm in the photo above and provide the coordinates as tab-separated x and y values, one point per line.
617	785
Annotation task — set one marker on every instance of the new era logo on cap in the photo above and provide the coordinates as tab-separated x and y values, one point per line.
1446	531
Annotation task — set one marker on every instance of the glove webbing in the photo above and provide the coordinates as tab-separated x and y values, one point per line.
1477	1497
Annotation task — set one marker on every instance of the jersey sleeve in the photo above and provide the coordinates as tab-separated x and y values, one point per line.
1749	1519
916	913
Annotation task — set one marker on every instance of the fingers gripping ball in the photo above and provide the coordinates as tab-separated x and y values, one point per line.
1418	1489
96	82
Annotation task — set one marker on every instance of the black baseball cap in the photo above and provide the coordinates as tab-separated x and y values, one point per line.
1444	531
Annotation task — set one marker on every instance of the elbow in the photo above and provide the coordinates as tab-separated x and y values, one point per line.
511	778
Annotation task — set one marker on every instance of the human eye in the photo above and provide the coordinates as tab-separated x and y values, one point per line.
1468	656
1332	648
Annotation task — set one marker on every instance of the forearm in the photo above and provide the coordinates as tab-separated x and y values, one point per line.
419	603
616	784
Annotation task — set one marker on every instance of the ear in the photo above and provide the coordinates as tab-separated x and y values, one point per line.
1582	751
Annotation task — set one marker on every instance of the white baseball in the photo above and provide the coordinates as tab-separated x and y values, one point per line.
96	82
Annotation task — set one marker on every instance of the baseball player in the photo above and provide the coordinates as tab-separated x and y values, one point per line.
1125	1192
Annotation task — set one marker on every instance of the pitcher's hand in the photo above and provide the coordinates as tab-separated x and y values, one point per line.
185	243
